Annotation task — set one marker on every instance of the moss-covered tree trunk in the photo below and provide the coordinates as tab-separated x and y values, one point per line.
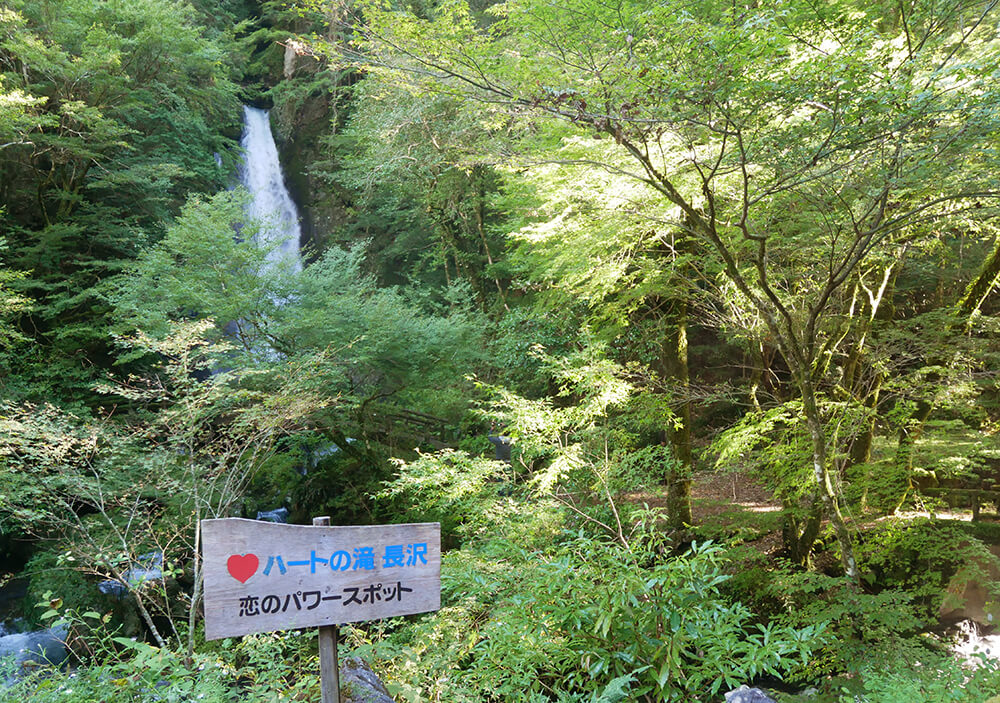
674	358
821	474
800	531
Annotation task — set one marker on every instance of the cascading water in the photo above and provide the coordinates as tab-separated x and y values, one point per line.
23	650
271	204
972	645
260	173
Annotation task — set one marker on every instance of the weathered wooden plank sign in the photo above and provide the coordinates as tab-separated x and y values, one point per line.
261	576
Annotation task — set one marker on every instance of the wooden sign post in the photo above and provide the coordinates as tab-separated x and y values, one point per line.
262	577
329	659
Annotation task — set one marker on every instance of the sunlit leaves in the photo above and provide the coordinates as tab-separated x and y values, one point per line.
201	269
110	113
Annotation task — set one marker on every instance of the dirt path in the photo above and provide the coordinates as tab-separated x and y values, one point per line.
714	494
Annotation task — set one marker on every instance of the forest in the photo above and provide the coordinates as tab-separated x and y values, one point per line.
679	316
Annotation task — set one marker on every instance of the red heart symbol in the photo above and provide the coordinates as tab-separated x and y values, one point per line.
242	566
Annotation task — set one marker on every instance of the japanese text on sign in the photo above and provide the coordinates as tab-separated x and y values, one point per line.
363	558
263	576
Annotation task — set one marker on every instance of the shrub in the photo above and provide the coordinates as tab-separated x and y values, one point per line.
921	557
472	498
265	668
930	678
583	619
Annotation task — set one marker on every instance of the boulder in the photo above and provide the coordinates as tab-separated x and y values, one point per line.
745	694
502	445
146	567
359	684
972	592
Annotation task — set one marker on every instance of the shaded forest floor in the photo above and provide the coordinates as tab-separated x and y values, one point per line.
734	505
728	505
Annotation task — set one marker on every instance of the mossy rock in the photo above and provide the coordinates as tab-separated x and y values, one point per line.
359	684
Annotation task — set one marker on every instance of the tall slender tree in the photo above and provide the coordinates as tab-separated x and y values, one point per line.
795	141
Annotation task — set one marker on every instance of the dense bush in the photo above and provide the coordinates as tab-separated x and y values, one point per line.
582	619
921	557
532	613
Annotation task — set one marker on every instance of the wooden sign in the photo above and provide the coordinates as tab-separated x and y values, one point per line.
261	576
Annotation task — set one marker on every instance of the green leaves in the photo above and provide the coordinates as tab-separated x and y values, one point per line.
201	270
110	114
593	623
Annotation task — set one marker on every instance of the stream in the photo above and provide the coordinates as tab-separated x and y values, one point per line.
20	648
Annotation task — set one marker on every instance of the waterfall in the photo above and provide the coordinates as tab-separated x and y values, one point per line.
260	173
972	644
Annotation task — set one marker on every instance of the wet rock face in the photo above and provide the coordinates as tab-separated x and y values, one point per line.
303	120
280	515
359	684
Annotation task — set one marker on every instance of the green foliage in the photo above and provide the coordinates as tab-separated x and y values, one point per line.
123	669
473	498
275	480
768	170
589	385
930	677
111	495
871	630
11	304
51	572
773	444
862	627
735	525
880	485
364	342
260	668
48	460
424	196
199	270
112	113
528	615
278	666
647	466
584	619
389	345
921	557
772	136
340	480
515	341
592	240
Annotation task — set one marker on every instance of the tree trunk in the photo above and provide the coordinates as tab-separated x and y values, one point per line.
861	447
910	432
821	474
674	359
479	181
977	291
799	536
758	369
